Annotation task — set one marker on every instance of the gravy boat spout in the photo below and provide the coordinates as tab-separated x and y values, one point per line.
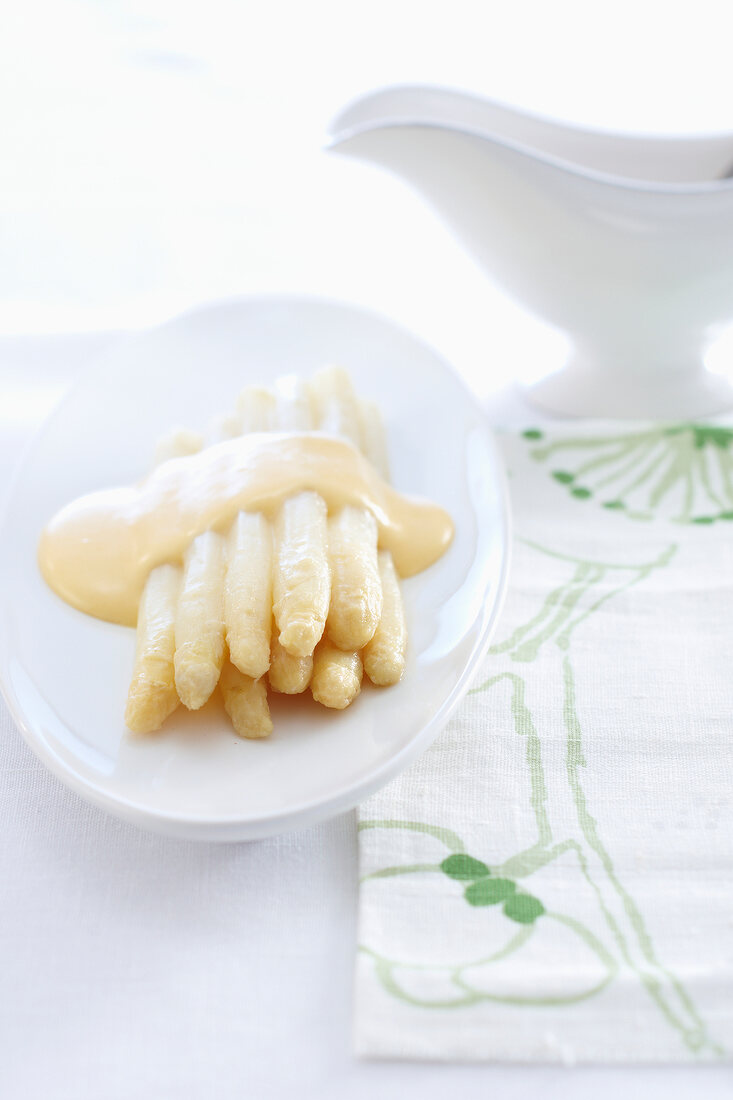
623	243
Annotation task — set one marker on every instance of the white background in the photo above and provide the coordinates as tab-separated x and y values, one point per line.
154	155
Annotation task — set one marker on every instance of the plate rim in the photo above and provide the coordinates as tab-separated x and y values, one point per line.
243	827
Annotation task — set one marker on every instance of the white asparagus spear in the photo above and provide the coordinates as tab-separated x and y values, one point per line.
336	409
301	582
373	439
293	406
176	444
248	586
245	701
223	428
248	593
337	676
152	695
256	409
384	655
356	597
356	589
288	675
200	620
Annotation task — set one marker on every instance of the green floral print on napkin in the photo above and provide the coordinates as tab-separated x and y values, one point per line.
683	472
506	887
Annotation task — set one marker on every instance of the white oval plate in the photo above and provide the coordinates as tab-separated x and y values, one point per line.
65	674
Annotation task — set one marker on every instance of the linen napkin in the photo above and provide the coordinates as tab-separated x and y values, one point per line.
552	880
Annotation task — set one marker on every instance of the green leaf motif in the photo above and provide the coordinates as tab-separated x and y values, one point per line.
489	891
719	437
523	908
683	472
464	867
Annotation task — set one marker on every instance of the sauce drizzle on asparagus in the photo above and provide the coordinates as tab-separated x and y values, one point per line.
97	552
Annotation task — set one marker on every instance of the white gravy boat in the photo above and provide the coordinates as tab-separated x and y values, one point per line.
624	243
